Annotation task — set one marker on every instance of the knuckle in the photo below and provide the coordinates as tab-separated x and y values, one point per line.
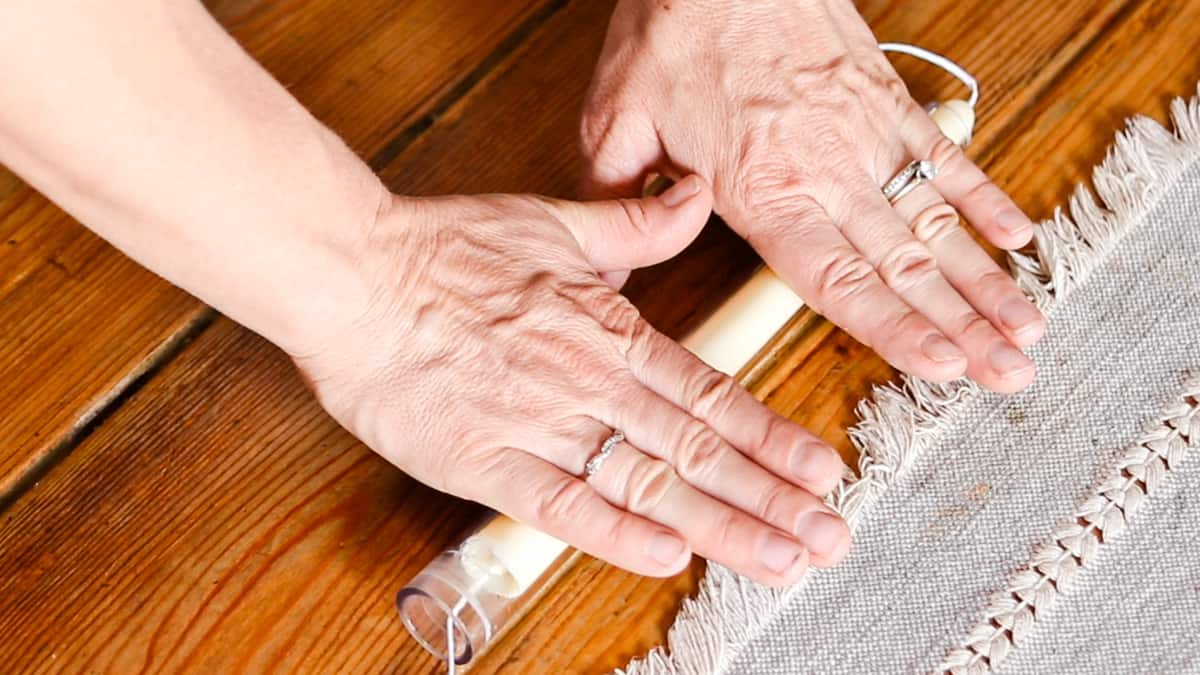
778	432
635	213
564	503
539	289
972	323
648	485
897	92
944	153
596	124
728	530
848	72
699	453
935	223
776	504
840	276
782	216
762	184
639	343
762	174
903	328
996	280
907	266
711	393
614	313
875	81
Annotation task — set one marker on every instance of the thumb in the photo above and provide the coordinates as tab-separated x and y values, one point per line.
625	234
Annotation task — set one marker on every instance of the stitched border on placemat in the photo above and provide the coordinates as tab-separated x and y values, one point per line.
900	421
1139	472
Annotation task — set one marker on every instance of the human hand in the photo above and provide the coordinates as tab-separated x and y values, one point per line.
789	109
491	361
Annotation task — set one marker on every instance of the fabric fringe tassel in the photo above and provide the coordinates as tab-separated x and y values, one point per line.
899	422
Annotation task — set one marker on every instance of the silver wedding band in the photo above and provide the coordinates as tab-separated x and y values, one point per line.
917	172
606	449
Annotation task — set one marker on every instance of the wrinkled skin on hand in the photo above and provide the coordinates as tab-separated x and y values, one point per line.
491	361
794	116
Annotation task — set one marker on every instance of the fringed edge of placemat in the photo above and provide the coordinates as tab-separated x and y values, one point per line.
898	422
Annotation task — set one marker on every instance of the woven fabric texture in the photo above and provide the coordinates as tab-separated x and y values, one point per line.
1138	613
970	511
1052	531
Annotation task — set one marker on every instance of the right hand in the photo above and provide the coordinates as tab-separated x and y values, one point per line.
792	112
489	360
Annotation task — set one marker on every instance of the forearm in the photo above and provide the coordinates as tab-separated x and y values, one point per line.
149	124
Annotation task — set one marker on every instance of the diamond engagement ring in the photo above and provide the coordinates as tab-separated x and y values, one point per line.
908	179
606	449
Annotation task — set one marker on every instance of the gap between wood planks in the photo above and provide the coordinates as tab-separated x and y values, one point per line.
507	47
95	415
1009	127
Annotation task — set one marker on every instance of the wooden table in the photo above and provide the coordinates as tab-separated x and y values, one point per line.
172	496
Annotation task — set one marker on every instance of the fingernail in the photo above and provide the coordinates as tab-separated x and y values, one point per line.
666	549
1019	315
939	349
821	532
1007	360
815	463
780	554
681	192
1012	220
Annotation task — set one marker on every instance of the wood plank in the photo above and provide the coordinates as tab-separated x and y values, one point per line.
219	519
250	550
79	322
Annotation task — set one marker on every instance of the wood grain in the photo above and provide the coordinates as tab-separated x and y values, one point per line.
79	322
219	520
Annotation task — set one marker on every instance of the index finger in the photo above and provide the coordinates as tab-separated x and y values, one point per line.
548	499
772	441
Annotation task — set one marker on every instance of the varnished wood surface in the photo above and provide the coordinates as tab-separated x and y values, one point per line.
79	322
218	520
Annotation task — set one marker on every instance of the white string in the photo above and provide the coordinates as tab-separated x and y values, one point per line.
451	633
451	652
940	61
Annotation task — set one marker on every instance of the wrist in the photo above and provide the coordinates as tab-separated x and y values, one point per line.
324	283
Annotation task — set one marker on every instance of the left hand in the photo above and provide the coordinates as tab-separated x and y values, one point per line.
796	118
478	349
